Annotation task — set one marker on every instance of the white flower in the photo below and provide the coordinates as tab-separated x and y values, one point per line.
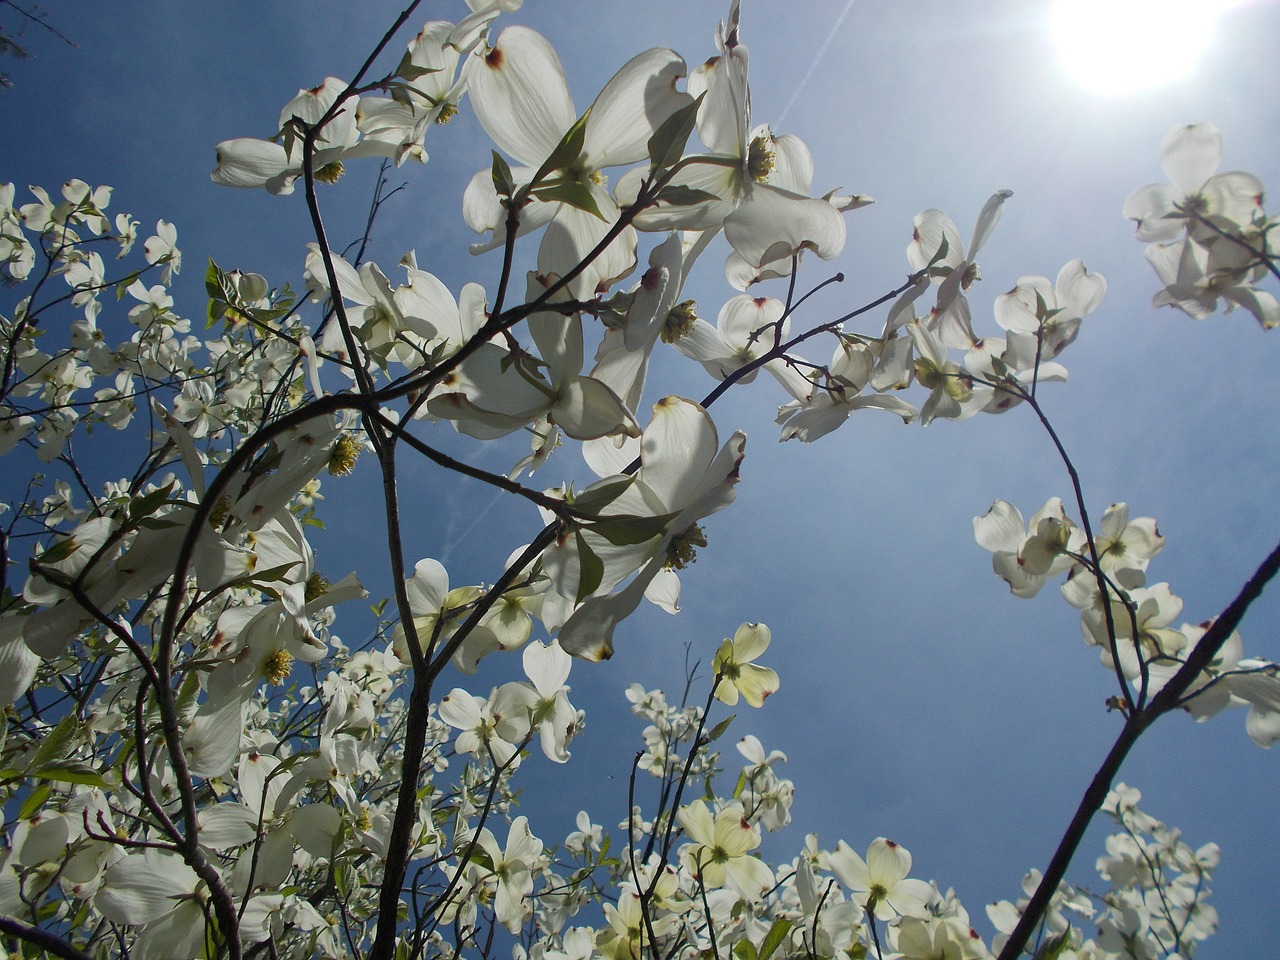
880	884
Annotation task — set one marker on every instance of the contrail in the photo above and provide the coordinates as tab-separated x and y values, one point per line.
814	65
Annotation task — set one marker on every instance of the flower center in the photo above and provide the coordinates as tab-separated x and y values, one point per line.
342	458
684	547
330	172
277	667
679	321
760	159
316	587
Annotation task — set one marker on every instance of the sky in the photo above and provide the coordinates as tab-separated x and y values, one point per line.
919	700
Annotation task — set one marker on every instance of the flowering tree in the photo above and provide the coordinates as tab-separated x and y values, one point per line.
195	764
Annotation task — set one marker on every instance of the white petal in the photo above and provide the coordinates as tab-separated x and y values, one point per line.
774	224
635	101
1000	528
987	220
519	94
677	447
587	409
1190	155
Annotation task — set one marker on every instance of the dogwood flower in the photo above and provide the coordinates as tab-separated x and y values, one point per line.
738	674
521	98
719	849
1051	313
495	725
681	477
1198	276
760	182
249	162
547	667
746	329
880	884
935	244
1190	156
830	399
1025	557
513	868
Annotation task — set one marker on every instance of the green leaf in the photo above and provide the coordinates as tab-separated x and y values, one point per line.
591	570
72	771
124	283
1054	947
681	196
745	950
52	747
1042	308
718	730
773	939
503	182
59	551
213	279
667	143
573	192
188	692
414	72
567	151
149	504
590	502
942	252
34	802
627	529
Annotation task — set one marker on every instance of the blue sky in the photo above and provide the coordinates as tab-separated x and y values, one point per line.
919	700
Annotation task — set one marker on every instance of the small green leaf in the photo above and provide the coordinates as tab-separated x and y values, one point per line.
1042	308
52	746
590	502
213	280
745	950
271	574
1054	947
626	529
667	143
124	283
942	252
681	196
718	730
149	504
503	182
573	192
188	692
71	771
58	552
567	151
413	72
773	939
591	570
34	802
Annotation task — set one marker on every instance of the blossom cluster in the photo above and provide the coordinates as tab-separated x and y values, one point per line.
1157	905
1128	620
1213	239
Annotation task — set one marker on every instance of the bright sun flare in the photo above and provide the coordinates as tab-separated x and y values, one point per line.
1121	46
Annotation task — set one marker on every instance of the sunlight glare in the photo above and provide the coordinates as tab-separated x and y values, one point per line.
1115	47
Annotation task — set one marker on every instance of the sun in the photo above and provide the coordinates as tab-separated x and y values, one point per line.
1115	47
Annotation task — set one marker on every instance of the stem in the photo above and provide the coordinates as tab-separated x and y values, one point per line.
1130	705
